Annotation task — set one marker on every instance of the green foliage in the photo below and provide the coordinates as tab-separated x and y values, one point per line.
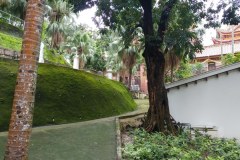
10	42
197	68
230	59
158	146
97	62
65	95
52	56
9	29
80	5
231	13
184	71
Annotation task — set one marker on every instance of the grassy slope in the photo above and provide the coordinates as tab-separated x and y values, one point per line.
65	95
52	56
14	43
9	29
10	42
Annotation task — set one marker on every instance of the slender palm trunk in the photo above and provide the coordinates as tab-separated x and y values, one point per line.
130	78
24	96
172	59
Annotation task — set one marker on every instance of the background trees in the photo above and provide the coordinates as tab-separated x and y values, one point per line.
80	45
59	12
170	34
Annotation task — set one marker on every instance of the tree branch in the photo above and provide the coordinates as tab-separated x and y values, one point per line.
164	19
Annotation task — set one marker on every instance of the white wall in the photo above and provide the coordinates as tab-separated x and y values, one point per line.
76	62
215	102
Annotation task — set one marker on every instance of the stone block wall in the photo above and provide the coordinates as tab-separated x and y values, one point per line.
10	54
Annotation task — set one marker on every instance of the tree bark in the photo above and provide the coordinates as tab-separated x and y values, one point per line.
158	116
130	78
24	96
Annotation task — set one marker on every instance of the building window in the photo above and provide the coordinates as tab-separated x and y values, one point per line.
211	66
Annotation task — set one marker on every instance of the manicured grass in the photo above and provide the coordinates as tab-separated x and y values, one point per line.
80	141
142	104
10	42
65	95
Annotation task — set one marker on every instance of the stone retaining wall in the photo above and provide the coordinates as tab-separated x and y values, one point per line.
10	54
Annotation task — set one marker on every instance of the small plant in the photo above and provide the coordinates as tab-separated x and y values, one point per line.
230	59
157	146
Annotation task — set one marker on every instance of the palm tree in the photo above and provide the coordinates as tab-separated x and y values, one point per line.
23	102
129	58
113	44
80	45
4	3
131	54
58	15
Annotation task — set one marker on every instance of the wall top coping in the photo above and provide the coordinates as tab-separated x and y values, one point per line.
205	75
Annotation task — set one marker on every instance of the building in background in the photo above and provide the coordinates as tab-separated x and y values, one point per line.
227	41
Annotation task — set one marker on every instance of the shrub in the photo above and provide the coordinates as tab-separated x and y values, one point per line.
230	59
158	146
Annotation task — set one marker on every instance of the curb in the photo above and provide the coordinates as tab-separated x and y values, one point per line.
118	138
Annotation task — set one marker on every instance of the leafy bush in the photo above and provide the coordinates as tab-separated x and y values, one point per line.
230	59
158	146
184	71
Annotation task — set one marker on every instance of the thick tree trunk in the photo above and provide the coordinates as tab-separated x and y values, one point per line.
24	97
158	116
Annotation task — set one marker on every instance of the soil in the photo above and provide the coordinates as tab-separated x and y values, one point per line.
127	125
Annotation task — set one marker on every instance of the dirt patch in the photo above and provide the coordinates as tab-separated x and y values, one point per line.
127	125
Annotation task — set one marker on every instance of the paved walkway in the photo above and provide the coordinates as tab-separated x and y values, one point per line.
90	140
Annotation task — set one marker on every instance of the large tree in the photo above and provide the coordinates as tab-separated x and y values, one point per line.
155	17
24	96
159	21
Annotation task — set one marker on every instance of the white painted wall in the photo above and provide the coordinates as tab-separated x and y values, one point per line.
41	55
76	62
215	102
109	74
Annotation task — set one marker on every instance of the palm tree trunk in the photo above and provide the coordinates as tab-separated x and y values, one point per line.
130	78
172	59
24	96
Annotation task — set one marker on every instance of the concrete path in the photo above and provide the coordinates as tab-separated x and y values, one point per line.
89	140
92	140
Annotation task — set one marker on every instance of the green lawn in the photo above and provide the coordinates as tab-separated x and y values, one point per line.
80	141
65	95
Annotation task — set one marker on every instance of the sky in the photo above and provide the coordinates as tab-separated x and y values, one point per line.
85	17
